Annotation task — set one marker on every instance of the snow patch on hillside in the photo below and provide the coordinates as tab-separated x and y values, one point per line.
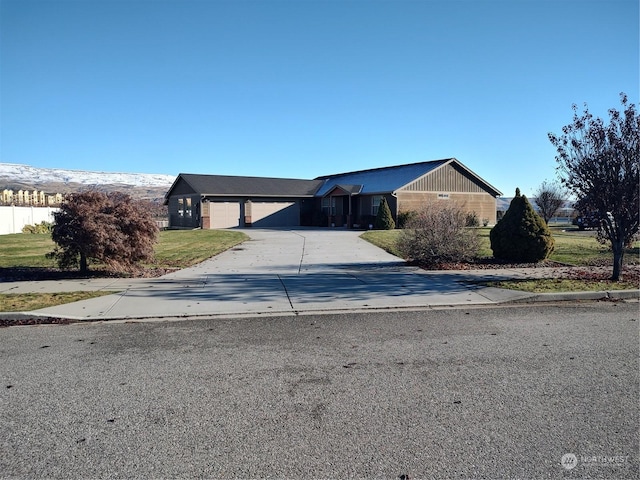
35	175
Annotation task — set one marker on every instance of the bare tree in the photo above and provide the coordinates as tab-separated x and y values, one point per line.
438	234
107	227
549	199
599	163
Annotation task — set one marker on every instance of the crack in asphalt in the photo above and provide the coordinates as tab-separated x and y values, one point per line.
304	244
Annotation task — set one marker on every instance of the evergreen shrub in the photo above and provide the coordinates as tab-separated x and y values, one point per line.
521	235
405	217
384	219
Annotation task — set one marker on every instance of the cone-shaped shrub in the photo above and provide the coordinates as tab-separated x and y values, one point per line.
521	235
384	219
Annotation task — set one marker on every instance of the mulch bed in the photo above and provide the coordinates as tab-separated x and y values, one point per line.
596	272
23	274
17	321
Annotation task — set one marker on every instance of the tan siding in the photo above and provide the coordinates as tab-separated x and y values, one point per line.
444	179
482	203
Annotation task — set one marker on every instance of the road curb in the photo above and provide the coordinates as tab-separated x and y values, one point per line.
34	318
569	296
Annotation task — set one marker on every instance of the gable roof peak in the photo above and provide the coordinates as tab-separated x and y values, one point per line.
391	167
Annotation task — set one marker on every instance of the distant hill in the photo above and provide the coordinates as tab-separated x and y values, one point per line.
50	180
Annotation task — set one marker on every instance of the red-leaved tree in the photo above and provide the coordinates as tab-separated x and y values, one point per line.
110	228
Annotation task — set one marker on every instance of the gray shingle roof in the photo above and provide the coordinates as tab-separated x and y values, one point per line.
365	182
380	180
221	185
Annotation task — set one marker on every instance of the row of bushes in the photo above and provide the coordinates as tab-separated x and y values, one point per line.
440	234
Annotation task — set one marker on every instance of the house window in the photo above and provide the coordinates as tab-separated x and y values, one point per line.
326	201
181	207
375	204
443	196
187	207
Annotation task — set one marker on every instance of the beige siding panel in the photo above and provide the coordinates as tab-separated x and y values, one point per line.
445	179
224	214
483	204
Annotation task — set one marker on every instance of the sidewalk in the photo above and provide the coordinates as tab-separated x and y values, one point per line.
290	272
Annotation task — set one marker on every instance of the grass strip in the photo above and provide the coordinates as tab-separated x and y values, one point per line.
561	285
26	302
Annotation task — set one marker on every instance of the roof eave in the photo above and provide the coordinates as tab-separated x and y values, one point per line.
261	195
480	179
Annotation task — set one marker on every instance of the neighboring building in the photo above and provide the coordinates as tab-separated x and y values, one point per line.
55	199
7	197
30	198
346	199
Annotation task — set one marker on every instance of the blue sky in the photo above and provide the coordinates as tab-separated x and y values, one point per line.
305	88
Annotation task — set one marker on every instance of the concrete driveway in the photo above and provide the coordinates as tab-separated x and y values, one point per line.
279	271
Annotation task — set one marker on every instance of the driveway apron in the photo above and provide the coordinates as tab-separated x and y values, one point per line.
281	271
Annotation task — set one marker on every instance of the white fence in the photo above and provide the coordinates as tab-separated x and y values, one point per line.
12	218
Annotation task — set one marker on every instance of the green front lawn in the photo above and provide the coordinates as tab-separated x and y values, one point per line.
175	248
25	250
572	247
184	248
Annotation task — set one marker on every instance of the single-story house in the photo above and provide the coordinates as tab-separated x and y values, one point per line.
345	199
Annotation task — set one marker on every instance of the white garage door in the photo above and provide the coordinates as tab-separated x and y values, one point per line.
275	214
225	214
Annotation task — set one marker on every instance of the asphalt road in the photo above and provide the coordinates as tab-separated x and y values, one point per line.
454	393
